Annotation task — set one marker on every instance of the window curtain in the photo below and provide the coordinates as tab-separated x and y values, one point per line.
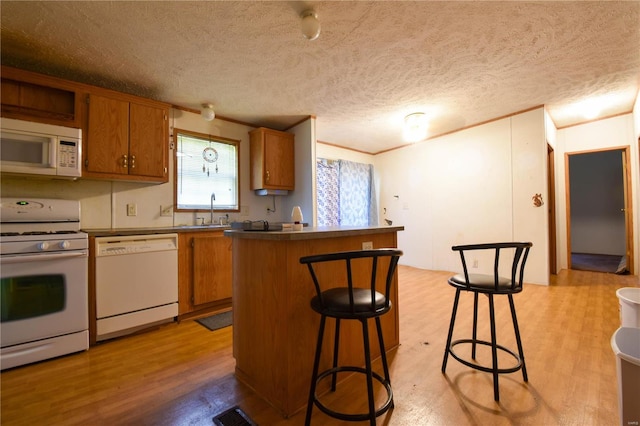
346	194
328	190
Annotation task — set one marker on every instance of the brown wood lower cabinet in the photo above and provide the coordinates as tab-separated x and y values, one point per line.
204	273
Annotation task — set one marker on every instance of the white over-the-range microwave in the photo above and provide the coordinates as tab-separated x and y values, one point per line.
40	149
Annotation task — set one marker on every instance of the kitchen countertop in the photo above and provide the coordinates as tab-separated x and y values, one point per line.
110	232
306	234
309	233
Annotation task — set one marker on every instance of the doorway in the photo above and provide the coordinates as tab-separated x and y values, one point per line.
599	228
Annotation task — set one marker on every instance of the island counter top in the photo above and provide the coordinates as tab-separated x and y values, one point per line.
311	233
274	327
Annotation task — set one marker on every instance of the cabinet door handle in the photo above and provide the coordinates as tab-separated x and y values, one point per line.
133	161
125	161
267	175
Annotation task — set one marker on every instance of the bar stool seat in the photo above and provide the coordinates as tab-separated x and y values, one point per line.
350	302
489	285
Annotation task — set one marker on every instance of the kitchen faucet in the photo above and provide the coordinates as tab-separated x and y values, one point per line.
213	198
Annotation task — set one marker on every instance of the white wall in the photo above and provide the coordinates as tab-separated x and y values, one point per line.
550	130
305	174
331	152
472	186
614	132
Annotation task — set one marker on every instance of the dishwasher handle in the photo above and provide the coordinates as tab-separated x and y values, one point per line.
135	244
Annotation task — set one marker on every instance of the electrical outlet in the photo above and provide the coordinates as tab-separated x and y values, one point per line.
244	210
166	211
132	209
475	263
367	245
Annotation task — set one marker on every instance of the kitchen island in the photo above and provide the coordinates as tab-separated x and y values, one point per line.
274	327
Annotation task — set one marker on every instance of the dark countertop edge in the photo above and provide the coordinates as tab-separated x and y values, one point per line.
108	232
311	233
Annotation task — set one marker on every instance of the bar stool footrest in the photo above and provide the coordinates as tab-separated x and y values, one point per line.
481	367
356	417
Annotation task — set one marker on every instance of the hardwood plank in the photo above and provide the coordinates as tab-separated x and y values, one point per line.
183	374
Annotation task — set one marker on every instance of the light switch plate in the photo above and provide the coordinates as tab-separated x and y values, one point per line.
132	209
166	211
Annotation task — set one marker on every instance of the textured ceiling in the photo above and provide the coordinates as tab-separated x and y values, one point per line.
461	63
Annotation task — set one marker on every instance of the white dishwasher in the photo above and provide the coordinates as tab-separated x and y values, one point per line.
136	282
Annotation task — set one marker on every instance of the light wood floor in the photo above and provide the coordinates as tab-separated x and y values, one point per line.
182	374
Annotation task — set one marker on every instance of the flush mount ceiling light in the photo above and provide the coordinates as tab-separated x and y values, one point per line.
310	25
207	112
415	127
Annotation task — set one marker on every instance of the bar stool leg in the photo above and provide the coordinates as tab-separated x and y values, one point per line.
494	349
314	375
336	343
451	323
518	341
383	353
475	325
367	361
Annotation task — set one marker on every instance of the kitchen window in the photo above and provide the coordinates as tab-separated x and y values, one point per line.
207	171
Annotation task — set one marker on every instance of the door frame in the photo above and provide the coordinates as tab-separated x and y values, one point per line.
628	208
551	209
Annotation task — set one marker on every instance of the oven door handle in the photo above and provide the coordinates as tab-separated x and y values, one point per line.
40	257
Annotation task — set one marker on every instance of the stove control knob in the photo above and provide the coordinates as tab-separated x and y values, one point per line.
64	244
43	246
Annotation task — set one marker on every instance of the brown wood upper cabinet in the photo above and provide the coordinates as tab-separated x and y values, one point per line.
126	139
272	159
36	97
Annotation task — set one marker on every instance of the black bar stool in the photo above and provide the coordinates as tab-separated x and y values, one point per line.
489	285
346	301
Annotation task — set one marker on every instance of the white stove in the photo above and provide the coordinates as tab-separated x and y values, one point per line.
44	284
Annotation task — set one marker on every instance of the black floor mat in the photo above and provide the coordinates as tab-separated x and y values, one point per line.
217	321
233	417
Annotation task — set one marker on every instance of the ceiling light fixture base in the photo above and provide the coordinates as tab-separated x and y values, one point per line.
207	112
310	25
415	127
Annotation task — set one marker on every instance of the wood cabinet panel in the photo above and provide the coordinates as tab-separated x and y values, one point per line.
107	138
272	156
147	127
279	161
211	269
204	273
